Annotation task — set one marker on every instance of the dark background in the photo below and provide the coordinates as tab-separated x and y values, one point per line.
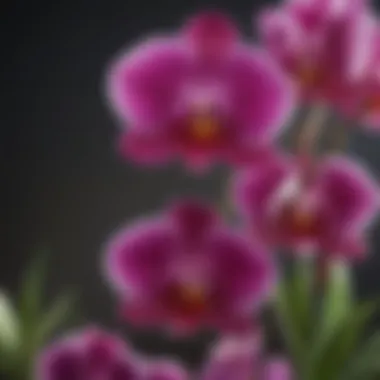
62	185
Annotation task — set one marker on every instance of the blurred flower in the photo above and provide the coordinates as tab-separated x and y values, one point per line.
325	45
186	270
364	102
201	94
93	354
323	206
9	325
240	358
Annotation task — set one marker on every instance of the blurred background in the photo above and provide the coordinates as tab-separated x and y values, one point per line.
62	185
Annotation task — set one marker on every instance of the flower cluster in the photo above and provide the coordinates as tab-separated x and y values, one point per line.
204	96
95	354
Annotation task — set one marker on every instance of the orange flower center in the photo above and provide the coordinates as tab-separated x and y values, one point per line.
187	299
309	75
302	220
204	127
299	221
192	294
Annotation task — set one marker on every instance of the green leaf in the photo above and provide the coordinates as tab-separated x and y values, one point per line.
34	324
340	348
287	321
302	295
9	335
337	301
294	310
367	361
335	309
9	325
58	314
31	294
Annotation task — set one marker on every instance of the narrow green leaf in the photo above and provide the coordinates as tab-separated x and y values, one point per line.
9	325
58	314
31	293
337	301
336	305
7	362
302	297
286	311
340	348
366	362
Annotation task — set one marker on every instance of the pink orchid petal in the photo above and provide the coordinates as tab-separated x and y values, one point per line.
144	148
233	357
253	188
253	78
139	256
352	191
143	84
278	369
211	34
165	370
243	279
157	264
194	220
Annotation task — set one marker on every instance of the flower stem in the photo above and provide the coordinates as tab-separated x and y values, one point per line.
339	140
308	138
224	205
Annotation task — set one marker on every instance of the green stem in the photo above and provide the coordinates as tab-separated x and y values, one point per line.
339	140
225	206
307	141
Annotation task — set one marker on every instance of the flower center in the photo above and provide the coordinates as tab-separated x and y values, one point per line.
303	221
309	75
191	294
188	299
299	221
204	127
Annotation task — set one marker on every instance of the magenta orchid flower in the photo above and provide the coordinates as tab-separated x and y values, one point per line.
240	358
201	94
93	354
324	206
325	45
186	270
364	102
